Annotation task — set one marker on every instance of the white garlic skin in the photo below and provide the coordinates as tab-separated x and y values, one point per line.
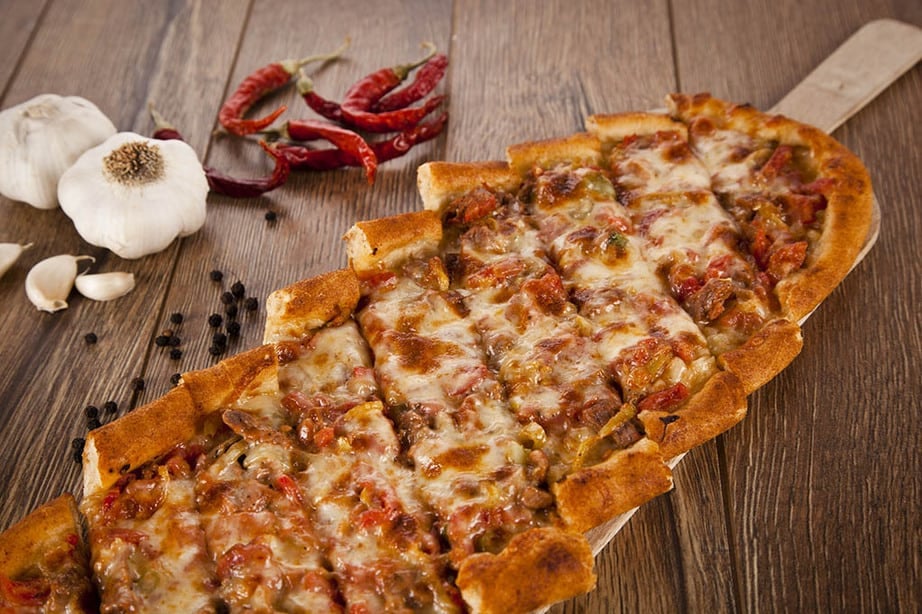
104	286
50	281
40	139
134	220
9	254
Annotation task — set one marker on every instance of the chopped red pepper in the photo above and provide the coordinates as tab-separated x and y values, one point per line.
664	400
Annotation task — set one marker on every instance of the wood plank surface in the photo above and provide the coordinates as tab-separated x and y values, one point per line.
809	505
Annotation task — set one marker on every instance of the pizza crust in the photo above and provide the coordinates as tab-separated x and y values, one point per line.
615	127
581	148
22	545
849	204
764	355
537	568
441	182
298	309
720	404
383	244
590	496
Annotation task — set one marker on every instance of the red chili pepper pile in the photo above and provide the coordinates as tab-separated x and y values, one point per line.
374	105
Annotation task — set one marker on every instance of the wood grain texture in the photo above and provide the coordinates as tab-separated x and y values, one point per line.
16	28
814	471
116	56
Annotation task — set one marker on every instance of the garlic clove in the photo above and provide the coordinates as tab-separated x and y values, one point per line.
50	281
40	139
9	254
105	286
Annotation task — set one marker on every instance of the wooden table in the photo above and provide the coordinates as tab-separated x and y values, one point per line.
811	504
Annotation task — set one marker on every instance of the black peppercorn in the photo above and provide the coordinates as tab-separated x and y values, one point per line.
90	411
110	406
90	338
176	378
175	341
215	320
251	304
162	341
77	443
270	216
176	318
227	298
219	339
216	275
93	423
138	383
231	311
238	289
215	350
233	328
175	354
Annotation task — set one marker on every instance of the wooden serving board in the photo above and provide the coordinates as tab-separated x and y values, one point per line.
852	76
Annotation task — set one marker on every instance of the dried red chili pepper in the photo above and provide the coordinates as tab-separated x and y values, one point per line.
425	80
257	84
222	183
347	141
359	99
303	158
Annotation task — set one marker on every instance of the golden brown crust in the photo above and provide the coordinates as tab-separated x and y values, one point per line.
441	182
385	243
612	128
251	372
298	309
720	404
48	526
127	443
764	355
537	568
849	201
590	496
580	149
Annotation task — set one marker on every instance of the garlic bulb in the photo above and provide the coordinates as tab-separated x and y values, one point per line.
134	195
49	282
9	253
104	286
40	139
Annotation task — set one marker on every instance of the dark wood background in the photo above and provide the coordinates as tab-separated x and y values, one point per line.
811	504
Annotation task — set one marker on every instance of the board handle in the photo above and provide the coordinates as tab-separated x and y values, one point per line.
863	66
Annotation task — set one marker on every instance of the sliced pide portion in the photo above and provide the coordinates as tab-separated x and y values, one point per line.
695	245
43	562
146	535
802	200
539	348
455	430
653	349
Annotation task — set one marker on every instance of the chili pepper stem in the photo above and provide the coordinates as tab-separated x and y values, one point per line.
160	122
291	66
402	70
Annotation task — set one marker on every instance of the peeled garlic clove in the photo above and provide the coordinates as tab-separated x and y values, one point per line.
105	286
49	282
9	253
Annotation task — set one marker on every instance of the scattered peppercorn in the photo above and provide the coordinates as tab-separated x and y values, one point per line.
175	379
175	354
175	341
231	311
110	407
90	411
233	328
215	320
77	443
93	423
90	338
251	304
215	350
238	289
227	298
162	341
138	383
176	318
216	275
270	216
